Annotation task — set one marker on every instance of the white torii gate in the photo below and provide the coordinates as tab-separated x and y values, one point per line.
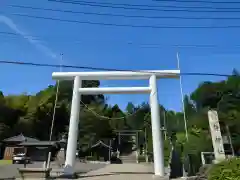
78	77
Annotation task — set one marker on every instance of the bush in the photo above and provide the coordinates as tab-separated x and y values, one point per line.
203	172
167	150
226	170
198	142
192	163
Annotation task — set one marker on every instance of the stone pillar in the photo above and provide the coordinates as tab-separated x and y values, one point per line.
217	140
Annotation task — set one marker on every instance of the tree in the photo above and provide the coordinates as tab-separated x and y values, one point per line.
26	113
130	109
136	119
32	115
94	126
189	107
208	94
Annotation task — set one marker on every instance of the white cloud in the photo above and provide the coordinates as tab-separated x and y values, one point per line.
46	50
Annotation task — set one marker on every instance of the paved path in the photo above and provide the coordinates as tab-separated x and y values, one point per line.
95	171
11	171
121	172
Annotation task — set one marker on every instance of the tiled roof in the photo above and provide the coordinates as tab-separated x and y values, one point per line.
20	138
100	143
39	143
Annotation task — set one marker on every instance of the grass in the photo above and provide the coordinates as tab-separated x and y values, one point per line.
5	162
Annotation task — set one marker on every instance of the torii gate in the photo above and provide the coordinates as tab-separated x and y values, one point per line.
78	77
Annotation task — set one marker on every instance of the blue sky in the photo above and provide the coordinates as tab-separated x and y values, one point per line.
108	47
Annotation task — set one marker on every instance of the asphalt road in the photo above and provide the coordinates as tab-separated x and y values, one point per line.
11	171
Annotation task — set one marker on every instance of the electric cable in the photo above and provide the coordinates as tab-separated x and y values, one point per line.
104	69
96	4
126	25
127	16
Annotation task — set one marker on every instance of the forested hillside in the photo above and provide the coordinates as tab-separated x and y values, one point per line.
32	114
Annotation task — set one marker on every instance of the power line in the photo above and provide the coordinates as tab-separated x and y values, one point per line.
145	5
136	44
123	15
107	3
101	69
161	7
142	45
120	4
15	34
198	1
96	4
126	25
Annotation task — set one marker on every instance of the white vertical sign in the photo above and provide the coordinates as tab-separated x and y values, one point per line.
217	140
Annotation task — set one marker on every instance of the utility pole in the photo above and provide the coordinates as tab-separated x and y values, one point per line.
165	127
230	139
183	108
54	113
110	150
146	144
183	105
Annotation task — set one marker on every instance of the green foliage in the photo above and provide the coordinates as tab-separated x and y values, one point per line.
208	94
197	142
223	96
92	127
32	115
204	171
167	149
226	170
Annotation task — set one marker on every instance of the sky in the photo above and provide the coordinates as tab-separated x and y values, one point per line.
42	41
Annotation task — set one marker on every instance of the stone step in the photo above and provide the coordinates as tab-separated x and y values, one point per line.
130	158
127	159
130	162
